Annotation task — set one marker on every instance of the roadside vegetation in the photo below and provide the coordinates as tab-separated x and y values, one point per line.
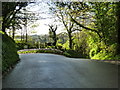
91	30
68	53
9	53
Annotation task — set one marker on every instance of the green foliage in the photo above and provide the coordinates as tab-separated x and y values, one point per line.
20	45
66	45
93	44
49	50
107	53
98	38
68	53
99	49
117	57
103	55
31	51
93	52
50	47
9	53
9	12
105	20
59	46
1	32
80	43
72	53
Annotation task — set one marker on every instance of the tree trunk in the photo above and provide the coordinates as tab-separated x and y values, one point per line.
3	28
13	33
26	31
26	37
55	39
21	35
70	39
3	25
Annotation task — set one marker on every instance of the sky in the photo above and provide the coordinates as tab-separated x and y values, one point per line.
46	18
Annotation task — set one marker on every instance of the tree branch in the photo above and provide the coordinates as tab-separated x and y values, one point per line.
85	27
64	21
76	30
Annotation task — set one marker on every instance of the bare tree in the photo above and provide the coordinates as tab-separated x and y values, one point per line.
52	31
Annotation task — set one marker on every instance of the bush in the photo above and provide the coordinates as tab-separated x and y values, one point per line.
72	53
54	51
20	45
9	52
93	52
68	53
104	55
59	46
117	57
66	45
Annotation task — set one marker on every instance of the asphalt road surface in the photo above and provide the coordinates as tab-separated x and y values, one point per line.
56	71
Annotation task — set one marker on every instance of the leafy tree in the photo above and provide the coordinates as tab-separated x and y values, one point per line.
62	12
9	11
100	25
62	37
105	20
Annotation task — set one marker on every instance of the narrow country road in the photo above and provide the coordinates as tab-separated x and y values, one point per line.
56	71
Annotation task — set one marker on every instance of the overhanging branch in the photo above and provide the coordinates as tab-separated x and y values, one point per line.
85	27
